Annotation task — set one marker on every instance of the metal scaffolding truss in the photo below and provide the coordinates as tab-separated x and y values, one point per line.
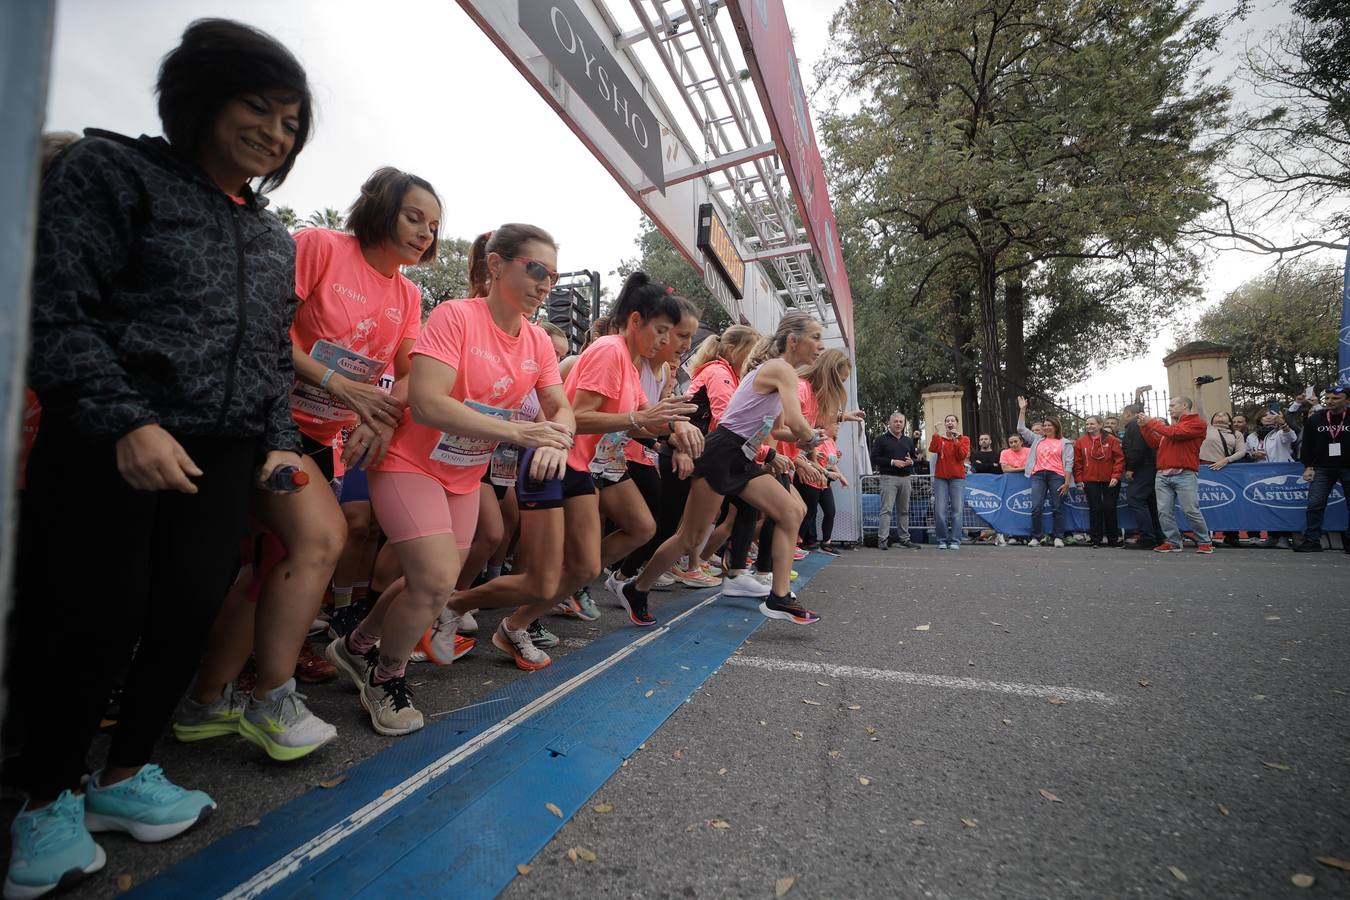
694	43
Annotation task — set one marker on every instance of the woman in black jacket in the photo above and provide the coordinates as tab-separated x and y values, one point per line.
162	295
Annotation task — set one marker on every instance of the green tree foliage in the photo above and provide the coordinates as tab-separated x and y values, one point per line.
328	217
288	217
657	256
447	278
994	138
1283	329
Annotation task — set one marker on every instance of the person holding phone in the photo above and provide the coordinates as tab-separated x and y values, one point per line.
950	450
893	454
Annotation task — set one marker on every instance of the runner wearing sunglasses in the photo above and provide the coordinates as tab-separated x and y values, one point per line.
472	367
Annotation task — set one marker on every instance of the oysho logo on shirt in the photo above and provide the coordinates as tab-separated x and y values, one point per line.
486	354
394	314
530	365
344	291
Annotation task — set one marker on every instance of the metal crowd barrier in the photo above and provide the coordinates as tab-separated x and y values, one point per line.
920	510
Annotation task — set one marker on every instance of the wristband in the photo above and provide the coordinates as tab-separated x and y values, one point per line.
323	382
632	420
769	457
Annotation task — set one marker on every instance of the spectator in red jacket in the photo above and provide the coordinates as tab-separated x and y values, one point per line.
1178	451
1098	463
949	482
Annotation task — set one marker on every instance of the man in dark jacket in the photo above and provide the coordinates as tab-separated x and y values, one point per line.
893	459
1140	468
1325	453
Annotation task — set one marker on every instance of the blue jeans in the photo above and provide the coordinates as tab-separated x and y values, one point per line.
1183	489
1046	482
949	502
1324	479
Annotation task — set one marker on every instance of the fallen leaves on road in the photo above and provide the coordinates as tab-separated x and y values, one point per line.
581	853
923	627
917	823
1279	767
783	885
864	780
1049	796
871	730
721	771
1007	721
333	782
836	754
1177	873
855	707
810	702
970	823
602	808
522	869
1223	810
649	693
823	683
1144	682
720	824
553	808
1303	880
796	735
678	754
1334	862
124	882
1058	701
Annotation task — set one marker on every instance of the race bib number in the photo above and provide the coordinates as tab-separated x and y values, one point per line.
653	456
459	450
318	403
608	462
751	447
505	463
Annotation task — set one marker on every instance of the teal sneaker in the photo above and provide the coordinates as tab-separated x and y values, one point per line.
147	806
583	607
194	721
541	637
50	848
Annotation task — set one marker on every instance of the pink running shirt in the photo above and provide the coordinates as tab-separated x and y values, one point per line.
605	368
492	369
345	302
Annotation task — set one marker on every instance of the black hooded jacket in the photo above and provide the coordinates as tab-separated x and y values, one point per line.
159	299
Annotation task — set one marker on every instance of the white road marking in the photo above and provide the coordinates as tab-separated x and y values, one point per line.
940	681
281	869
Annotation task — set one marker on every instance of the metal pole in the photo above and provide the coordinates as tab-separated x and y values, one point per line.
25	53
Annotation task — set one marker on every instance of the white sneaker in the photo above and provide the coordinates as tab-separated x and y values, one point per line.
1000	541
1034	542
467	623
614	584
764	578
520	648
664	580
744	585
439	644
1059	542
390	706
710	567
283	726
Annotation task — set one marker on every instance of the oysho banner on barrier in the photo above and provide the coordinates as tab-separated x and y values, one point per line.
1242	496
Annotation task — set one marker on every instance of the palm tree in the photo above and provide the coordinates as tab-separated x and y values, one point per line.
325	218
288	217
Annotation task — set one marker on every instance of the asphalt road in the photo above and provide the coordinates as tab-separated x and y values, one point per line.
1183	711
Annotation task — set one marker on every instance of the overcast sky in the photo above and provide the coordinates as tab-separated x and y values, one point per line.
423	89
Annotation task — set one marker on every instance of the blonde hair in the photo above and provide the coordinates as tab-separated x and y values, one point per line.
723	346
827	376
793	324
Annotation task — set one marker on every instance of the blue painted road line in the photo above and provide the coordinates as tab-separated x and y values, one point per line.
462	802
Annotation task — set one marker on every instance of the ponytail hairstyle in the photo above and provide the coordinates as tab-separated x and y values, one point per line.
505	241
373	217
793	324
827	376
723	347
649	299
688	309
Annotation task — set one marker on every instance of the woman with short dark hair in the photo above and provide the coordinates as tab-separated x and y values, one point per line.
162	295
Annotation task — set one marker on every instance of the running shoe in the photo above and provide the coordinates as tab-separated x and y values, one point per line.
1205	548
442	644
614	584
467	623
311	667
147	806
193	721
356	666
792	576
664	580
50	848
953	545
541	637
711	568
695	578
789	610
1166	547
283	726
1034	542
800	554
830	549
1000	541
753	553
579	606
744	585
520	648
1059	542
636	606
390	705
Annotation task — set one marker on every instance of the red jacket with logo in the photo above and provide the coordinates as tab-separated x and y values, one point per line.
1098	458
1178	445
951	461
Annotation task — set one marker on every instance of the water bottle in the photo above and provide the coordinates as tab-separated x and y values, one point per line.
286	479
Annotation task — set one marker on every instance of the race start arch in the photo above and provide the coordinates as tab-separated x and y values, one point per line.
732	175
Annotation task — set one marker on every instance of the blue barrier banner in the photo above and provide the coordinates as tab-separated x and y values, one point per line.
1239	497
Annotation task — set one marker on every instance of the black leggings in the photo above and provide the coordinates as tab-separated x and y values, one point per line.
648	482
827	517
764	562
1102	499
129	567
811	496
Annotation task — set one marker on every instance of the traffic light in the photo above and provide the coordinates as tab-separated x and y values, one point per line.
569	308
